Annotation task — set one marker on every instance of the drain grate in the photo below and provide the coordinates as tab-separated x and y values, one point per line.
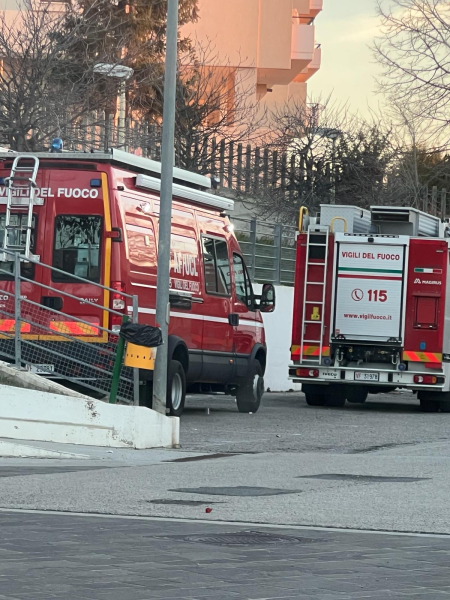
241	538
181	502
240	490
363	478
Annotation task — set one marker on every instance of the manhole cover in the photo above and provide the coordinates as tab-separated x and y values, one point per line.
182	502
240	490
363	478
242	538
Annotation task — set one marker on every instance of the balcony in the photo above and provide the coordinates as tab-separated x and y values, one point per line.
312	68
302	53
316	6
308	9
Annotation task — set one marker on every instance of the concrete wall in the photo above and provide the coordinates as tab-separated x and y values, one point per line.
34	415
278	326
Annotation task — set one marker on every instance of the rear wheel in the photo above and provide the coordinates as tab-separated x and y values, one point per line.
176	388
314	395
250	393
429	405
356	394
335	397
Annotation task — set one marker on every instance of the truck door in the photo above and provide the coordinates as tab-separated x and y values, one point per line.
369	289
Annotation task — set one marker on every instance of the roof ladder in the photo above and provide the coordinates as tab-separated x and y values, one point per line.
21	193
316	259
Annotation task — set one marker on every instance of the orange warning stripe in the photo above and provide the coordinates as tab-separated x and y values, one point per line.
430	357
73	328
10	326
309	351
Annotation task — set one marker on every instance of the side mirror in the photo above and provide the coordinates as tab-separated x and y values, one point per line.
267	303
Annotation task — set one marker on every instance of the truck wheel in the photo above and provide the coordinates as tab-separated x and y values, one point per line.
356	394
250	393
176	388
429	405
335	398
314	399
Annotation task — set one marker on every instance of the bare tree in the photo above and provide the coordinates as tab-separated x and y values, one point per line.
324	155
414	50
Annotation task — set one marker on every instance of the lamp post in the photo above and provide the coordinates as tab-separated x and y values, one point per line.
165	214
333	135
122	73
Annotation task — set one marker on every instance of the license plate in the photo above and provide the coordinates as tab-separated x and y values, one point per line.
42	369
361	376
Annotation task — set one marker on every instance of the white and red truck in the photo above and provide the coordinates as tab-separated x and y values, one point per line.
372	306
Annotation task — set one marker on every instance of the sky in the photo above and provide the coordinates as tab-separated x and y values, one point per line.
345	28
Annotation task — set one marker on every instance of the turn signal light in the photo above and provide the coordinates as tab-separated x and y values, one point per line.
425	379
307	372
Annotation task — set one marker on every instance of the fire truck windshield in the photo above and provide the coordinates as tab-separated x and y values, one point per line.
76	247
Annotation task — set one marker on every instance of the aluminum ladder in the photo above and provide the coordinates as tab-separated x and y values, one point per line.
318	237
21	186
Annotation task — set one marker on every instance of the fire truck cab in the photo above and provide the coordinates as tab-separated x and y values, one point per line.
372	306
95	216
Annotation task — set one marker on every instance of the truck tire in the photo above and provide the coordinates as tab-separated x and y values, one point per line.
313	399
335	397
250	393
429	405
356	394
176	388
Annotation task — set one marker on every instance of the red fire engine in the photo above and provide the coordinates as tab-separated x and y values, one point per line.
96	216
372	306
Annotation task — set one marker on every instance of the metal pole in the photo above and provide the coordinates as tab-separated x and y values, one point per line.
135	371
165	215
122	101
117	366
333	174
17	315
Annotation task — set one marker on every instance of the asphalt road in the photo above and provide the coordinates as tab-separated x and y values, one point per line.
291	502
284	423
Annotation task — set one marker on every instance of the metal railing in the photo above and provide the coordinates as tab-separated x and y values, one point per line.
48	340
268	249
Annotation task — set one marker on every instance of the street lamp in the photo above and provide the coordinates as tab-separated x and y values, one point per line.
333	135
122	73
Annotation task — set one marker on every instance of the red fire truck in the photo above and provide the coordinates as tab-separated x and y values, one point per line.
372	306
96	216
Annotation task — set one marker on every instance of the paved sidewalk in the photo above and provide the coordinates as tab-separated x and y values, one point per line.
49	557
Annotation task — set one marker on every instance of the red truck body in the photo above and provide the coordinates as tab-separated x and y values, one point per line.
372	309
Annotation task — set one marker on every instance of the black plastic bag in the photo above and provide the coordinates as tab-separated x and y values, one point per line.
141	335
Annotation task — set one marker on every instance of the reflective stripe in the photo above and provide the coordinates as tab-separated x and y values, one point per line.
430	357
73	328
10	325
152	311
309	351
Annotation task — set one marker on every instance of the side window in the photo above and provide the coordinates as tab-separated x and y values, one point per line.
76	247
217	266
244	291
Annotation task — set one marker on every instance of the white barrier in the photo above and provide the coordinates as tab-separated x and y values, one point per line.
41	416
278	327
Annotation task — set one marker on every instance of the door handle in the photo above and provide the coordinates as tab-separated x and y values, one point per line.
233	319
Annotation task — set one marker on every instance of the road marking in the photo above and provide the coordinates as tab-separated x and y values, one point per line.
228	523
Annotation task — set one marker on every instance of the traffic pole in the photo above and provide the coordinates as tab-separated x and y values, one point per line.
165	211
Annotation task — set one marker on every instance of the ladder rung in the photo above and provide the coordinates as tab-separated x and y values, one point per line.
315	283
317	264
312	341
313	244
313	302
319	322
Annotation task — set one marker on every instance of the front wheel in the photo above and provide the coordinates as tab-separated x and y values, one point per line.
356	394
249	395
176	388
